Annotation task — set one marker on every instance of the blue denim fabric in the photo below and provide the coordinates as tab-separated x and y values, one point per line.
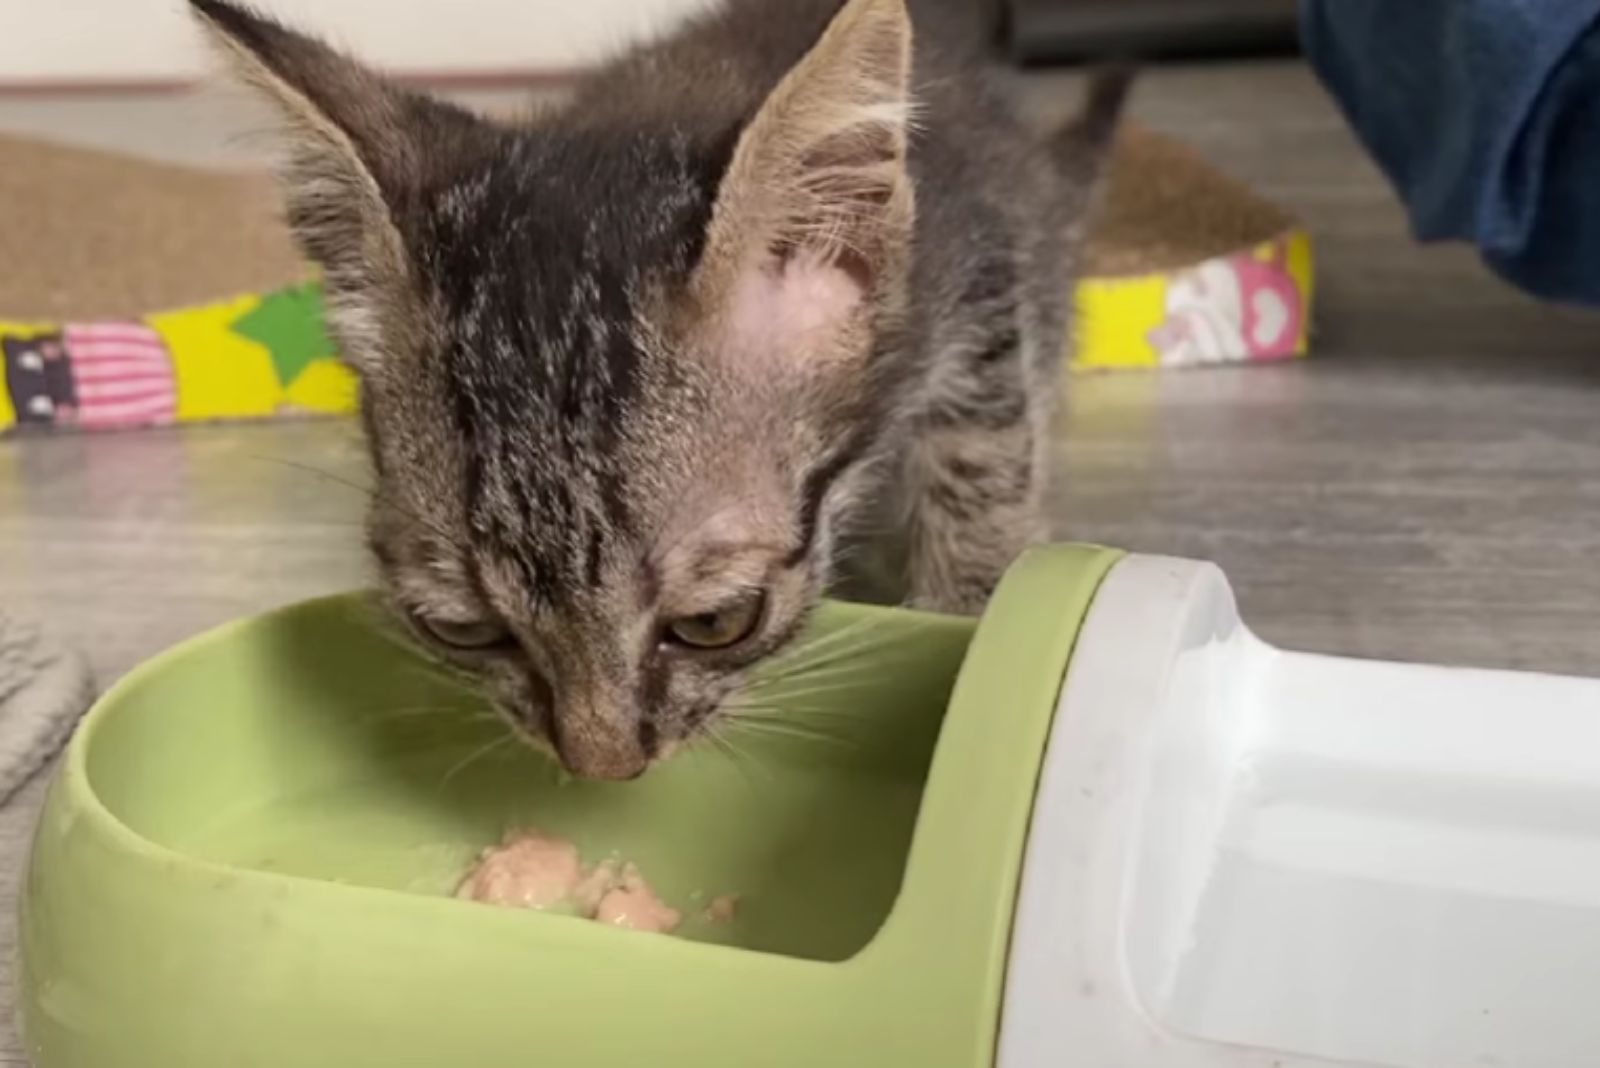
1485	114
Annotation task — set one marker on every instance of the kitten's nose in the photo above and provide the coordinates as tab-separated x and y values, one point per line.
593	749
608	766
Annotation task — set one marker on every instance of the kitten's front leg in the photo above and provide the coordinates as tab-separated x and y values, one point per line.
976	493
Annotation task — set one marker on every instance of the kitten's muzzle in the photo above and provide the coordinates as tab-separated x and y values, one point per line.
598	750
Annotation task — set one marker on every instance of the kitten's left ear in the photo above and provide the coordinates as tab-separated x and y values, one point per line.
816	206
360	148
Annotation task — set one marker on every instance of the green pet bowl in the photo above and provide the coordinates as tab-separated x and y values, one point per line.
248	856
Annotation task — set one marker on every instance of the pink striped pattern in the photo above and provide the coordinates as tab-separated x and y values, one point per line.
122	375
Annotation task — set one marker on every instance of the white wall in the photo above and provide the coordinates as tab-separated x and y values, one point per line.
44	41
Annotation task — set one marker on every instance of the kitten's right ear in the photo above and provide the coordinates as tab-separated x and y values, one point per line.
357	146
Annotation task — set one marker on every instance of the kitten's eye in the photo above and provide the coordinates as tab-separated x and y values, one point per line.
470	634
727	626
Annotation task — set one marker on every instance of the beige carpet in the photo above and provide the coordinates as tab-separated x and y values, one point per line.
89	235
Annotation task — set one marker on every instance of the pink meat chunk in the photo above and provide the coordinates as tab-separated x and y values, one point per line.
537	871
633	904
529	871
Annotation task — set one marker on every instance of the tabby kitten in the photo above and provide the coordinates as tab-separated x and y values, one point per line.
634	369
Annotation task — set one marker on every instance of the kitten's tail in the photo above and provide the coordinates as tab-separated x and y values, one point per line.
1082	146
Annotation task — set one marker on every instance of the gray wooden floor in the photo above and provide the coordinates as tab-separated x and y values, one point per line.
1426	486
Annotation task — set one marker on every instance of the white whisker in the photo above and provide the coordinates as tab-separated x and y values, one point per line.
443	712
741	761
802	688
799	713
801	654
475	756
852	655
783	729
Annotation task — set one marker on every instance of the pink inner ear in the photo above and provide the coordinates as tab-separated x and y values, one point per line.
786	307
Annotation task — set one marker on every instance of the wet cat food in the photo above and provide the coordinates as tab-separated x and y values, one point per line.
537	871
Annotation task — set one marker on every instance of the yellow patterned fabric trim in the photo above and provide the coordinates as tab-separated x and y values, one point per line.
263	355
1252	305
252	356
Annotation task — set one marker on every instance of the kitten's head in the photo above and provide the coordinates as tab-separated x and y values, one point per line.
617	377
